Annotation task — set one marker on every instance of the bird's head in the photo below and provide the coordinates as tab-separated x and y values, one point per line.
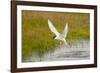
54	37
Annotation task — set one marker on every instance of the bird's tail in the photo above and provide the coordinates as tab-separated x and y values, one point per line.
65	43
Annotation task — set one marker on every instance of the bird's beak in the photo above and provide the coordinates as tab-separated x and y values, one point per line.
54	37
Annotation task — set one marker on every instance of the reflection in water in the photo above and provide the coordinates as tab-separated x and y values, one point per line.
76	51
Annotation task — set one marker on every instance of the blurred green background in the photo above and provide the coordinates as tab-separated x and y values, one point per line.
36	35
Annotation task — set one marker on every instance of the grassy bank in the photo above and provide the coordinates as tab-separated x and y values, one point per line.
36	36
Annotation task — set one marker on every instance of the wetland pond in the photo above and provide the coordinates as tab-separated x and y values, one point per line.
79	50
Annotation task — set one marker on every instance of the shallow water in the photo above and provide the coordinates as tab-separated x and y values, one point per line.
79	50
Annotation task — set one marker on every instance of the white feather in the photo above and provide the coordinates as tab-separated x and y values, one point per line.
59	36
52	28
65	43
64	33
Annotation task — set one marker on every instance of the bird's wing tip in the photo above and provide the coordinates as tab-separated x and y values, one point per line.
66	24
48	20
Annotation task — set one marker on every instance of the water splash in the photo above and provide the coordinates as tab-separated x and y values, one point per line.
79	50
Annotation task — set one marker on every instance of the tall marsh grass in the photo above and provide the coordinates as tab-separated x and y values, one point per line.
36	36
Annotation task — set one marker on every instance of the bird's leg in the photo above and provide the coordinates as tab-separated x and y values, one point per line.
60	44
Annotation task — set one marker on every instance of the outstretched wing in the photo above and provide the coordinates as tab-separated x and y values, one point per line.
64	33
52	28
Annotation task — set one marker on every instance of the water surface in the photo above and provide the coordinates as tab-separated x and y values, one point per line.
78	50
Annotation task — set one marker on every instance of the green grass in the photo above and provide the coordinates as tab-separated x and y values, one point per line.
36	36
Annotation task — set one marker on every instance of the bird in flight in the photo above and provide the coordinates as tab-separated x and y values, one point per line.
59	36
